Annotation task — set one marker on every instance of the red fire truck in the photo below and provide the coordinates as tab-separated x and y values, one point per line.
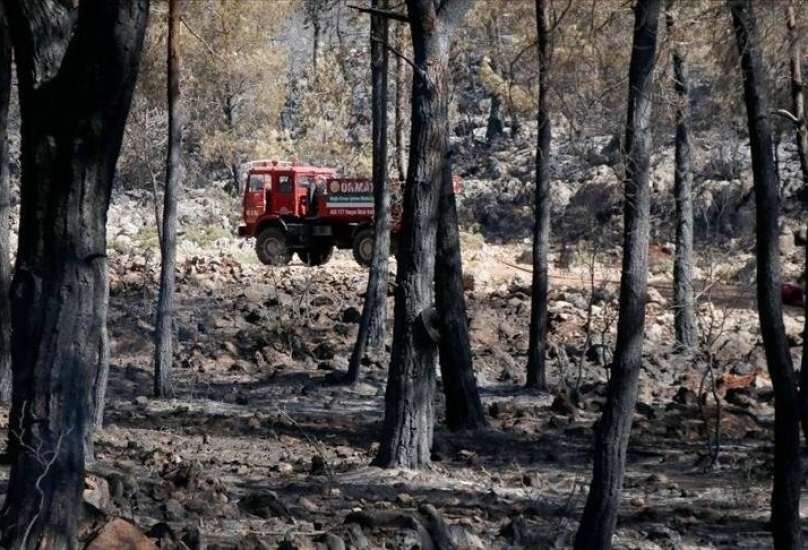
291	208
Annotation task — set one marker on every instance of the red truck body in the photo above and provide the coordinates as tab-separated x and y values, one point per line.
292	208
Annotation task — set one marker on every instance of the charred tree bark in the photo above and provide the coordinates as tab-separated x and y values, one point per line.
536	367
464	410
798	106
787	475
77	68
5	211
401	156
164	324
409	400
683	298
600	513
372	325
495	127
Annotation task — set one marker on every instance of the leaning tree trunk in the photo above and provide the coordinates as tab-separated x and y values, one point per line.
787	475
798	106
409	399
536	366
164	325
372	325
464	410
611	441
77	68
5	211
683	298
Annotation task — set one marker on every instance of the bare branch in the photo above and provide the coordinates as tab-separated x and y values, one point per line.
387	14
420	72
202	41
786	114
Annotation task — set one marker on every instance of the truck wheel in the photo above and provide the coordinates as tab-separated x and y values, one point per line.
316	256
363	246
271	247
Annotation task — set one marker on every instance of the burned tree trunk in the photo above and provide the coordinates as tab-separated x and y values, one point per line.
536	368
787	474
611	441
409	400
164	324
372	325
77	68
798	106
5	211
464	410
683	298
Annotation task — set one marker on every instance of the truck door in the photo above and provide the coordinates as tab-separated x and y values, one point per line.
255	197
285	202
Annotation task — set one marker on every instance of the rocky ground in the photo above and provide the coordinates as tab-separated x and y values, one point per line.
260	450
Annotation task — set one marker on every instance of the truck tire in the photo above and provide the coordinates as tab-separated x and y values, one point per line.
363	246
316	256
271	247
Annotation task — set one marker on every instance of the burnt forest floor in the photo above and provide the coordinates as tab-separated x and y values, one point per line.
258	448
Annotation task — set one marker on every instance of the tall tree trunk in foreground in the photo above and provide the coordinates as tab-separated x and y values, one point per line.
164	325
409	400
536	367
372	325
5	211
464	410
801	137
787	475
77	68
683	298
611	441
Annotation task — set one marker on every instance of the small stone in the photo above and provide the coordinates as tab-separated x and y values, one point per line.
264	504
343	452
404	499
308	505
351	315
318	465
562	404
283	467
96	492
174	510
530	480
122	535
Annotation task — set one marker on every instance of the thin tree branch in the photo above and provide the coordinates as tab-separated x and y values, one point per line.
419	71
202	41
786	114
387	14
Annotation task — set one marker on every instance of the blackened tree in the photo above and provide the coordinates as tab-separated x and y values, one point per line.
409	400
787	474
683	298
164	325
373	323
536	368
76	65
611	440
5	210
464	410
